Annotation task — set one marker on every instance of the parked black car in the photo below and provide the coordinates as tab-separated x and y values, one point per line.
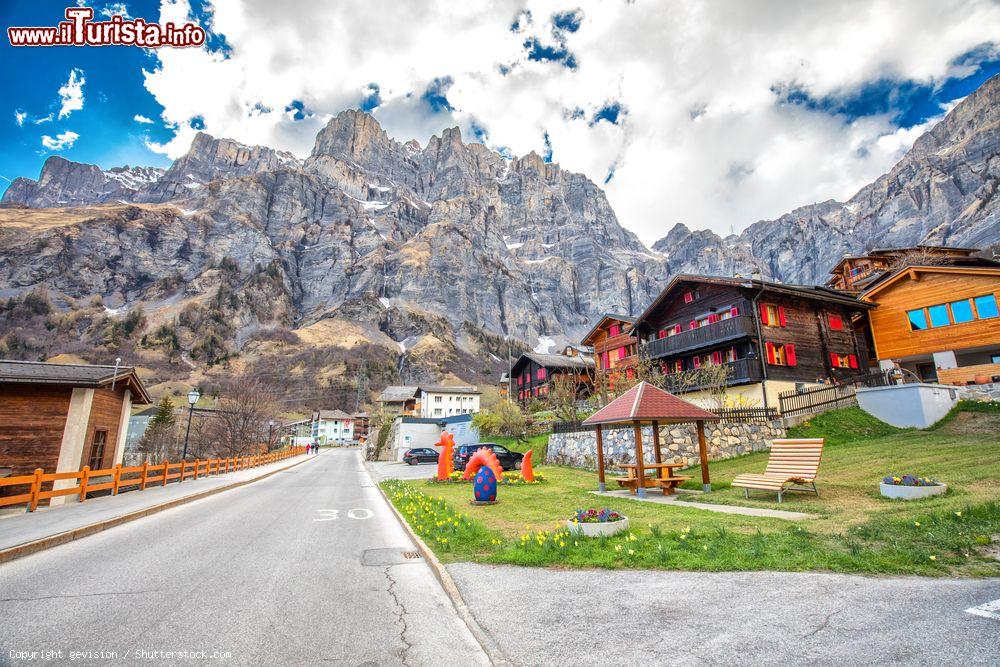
508	460
420	455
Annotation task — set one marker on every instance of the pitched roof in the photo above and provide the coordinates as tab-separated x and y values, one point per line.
440	389
644	402
398	393
628	319
334	414
95	376
988	268
555	361
817	292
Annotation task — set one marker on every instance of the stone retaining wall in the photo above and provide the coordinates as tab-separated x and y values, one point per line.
678	442
980	392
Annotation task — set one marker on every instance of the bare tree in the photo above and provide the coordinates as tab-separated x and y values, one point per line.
920	257
239	426
563	395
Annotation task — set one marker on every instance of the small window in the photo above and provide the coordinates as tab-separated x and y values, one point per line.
437	399
614	330
939	315
961	311
986	306
918	320
97	450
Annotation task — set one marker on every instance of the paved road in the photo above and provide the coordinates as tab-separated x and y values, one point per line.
633	617
282	571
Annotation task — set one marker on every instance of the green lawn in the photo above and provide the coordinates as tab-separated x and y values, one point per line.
857	530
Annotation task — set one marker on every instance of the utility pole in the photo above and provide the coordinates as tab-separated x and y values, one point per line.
360	387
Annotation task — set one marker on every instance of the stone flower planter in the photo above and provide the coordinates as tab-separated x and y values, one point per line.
606	529
911	492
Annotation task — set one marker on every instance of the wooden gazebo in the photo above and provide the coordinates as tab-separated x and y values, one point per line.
646	404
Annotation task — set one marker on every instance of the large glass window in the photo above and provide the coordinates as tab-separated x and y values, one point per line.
986	306
961	311
939	315
918	321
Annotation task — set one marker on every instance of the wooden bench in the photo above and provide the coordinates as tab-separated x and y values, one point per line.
791	462
656	476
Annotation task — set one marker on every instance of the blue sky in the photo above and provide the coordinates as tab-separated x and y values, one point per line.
665	109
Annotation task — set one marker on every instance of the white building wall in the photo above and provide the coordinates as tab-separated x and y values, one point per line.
439	404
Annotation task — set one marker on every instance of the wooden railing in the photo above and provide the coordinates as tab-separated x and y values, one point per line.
741	371
719	332
124	478
746	415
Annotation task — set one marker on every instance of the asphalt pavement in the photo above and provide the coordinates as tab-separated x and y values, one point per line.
307	566
543	616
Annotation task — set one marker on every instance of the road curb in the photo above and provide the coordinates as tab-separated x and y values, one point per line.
486	641
44	543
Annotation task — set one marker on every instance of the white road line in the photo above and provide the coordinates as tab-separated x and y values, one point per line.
988	610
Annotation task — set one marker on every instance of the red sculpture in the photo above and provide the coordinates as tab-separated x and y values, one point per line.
526	470
445	464
484	456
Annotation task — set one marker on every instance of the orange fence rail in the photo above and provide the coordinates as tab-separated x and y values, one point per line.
124	478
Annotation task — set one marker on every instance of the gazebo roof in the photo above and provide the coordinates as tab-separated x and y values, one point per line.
644	402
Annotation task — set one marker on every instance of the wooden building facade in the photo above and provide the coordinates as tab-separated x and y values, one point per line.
939	323
854	273
533	374
62	417
773	337
613	343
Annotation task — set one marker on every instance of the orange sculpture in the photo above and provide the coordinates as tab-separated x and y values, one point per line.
526	470
445	464
484	456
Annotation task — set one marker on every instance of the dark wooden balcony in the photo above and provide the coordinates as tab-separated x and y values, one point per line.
742	371
710	335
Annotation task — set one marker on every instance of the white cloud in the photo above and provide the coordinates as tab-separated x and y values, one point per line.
71	93
705	140
62	140
139	118
19	117
115	8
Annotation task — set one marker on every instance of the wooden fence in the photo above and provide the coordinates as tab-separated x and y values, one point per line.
747	415
821	399
121	478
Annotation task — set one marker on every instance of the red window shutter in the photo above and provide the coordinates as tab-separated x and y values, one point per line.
630	373
614	330
717	357
677	328
836	324
790	354
763	314
713	318
688	297
781	316
734	311
662	333
732	352
680	365
697	362
834	360
854	361
769	348
536	391
607	360
693	325
540	374
621	353
520	381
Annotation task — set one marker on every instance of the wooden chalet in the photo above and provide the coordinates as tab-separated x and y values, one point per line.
773	337
533	373
854	273
62	417
613	343
939	323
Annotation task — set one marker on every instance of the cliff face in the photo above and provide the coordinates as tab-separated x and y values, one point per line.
943	192
439	247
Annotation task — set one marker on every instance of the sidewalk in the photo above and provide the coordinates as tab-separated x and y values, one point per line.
22	529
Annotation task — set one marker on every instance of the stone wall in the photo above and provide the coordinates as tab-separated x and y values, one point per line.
980	392
678	443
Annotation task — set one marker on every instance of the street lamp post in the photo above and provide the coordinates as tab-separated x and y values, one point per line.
193	397
270	430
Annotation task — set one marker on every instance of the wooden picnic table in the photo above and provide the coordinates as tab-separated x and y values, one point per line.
664	477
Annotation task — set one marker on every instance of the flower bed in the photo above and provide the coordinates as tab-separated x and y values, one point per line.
910	487
510	478
596	523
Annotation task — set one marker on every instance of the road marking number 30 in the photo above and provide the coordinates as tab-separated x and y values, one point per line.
359	513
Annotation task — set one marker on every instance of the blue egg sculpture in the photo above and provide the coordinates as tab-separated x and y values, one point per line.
484	486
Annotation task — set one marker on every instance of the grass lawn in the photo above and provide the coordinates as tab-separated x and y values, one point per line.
857	530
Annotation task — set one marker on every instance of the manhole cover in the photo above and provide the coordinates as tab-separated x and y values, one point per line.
388	557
